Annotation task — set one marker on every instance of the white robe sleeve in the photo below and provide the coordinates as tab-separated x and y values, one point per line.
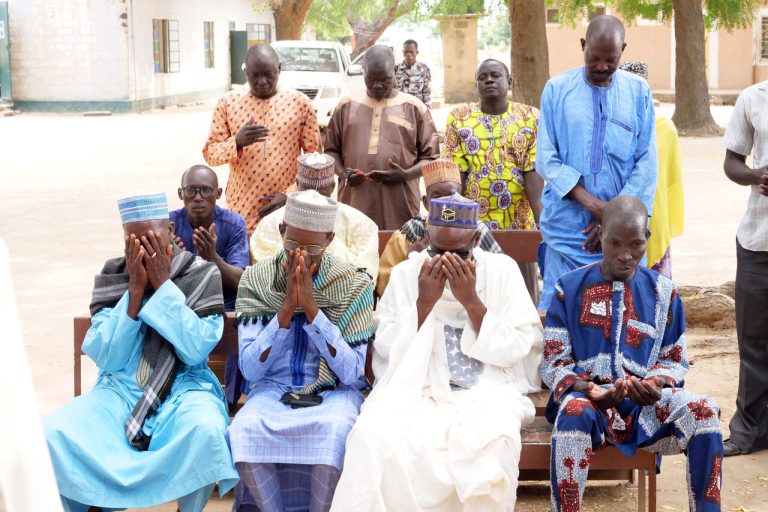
511	329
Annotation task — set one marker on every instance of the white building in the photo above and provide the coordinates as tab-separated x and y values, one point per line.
128	55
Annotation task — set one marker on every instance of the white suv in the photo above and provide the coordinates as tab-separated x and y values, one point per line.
320	69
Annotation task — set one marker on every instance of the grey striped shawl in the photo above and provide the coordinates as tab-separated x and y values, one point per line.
200	282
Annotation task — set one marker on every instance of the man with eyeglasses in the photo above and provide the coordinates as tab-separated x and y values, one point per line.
356	237
216	235
304	320
458	345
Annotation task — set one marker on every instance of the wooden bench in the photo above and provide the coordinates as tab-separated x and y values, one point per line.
606	464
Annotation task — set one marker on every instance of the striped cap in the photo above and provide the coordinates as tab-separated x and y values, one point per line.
143	208
440	171
311	211
454	211
315	171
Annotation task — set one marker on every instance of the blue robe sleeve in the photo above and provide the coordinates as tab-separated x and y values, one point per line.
549	164
558	369
672	363
236	253
642	181
192	337
113	337
253	339
349	362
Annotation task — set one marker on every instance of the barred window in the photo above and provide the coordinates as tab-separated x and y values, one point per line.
165	45
208	43
764	37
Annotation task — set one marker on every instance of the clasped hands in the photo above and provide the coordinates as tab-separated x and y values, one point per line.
299	270
641	392
147	262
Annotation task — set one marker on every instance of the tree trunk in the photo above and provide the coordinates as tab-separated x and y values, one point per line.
692	115
530	54
366	34
289	18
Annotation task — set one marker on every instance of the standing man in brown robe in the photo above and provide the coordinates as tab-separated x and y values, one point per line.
380	139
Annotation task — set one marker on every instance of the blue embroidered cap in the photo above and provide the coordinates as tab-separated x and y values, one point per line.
454	211
143	208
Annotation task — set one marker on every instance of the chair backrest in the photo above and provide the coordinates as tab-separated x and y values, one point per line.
522	246
226	346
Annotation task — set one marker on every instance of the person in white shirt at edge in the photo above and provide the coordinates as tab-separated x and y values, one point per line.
357	236
457	348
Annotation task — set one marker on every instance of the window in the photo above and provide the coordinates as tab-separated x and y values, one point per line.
764	38
208	43
552	16
258	33
599	11
165	45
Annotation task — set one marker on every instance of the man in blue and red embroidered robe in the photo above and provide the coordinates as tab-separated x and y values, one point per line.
615	359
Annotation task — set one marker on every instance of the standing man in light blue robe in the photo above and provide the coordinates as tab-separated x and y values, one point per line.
153	428
305	318
596	141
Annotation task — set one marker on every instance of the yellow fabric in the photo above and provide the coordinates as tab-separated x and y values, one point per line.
667	219
495	152
395	251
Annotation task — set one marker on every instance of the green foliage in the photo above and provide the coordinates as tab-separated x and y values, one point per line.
728	14
329	17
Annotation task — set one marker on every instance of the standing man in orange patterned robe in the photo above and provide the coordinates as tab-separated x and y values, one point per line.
260	132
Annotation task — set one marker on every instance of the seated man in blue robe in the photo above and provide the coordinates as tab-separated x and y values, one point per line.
304	318
615	359
596	140
216	235
153	428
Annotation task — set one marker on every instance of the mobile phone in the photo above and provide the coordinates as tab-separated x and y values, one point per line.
296	400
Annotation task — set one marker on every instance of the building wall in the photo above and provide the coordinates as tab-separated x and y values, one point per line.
192	77
68	50
730	55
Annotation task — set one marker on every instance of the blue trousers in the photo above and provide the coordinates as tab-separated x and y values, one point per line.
679	422
194	502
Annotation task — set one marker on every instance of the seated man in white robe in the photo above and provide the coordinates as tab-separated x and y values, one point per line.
153	427
457	348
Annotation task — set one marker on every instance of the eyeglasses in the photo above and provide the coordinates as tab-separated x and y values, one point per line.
464	254
312	250
191	192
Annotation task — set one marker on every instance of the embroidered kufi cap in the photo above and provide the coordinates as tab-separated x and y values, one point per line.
310	210
143	208
454	211
315	171
440	171
637	67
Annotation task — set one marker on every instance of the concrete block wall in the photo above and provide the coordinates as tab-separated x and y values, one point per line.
69	50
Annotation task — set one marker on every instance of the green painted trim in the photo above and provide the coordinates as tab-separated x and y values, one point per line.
116	106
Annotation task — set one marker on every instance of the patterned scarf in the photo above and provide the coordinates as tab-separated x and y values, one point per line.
200	283
341	291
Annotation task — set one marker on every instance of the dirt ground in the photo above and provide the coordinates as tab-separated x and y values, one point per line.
61	176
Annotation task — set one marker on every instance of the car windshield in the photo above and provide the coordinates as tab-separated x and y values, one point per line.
308	59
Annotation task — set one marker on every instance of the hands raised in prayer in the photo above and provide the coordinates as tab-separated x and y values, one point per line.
431	283
462	276
298	288
134	263
603	399
177	239
395	174
250	133
274	201
157	260
205	241
644	392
